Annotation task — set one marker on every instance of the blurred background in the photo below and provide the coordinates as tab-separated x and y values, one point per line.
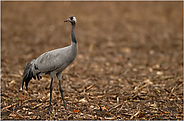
120	43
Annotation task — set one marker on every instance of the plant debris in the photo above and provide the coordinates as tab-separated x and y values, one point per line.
129	65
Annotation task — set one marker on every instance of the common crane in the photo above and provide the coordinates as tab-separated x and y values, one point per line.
53	63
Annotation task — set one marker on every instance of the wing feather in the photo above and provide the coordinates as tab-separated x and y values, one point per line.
52	60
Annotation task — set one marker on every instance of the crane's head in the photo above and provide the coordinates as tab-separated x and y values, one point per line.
71	19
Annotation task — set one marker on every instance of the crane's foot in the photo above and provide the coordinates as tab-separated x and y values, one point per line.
50	109
65	106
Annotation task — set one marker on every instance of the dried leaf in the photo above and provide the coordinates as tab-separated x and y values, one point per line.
13	81
12	114
23	97
30	113
76	111
25	108
103	108
159	73
83	100
148	82
110	118
26	116
125	49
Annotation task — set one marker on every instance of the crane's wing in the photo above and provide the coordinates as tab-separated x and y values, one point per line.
52	60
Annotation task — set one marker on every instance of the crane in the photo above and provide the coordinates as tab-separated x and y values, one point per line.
53	63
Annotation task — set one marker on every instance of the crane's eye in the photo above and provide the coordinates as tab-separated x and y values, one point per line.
71	18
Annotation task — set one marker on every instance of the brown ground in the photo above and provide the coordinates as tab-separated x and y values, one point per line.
129	64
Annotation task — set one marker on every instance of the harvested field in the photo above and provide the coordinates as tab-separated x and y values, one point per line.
129	65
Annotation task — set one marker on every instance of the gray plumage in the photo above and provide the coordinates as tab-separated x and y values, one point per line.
52	62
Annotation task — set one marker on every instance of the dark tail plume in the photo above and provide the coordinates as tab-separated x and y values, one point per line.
28	74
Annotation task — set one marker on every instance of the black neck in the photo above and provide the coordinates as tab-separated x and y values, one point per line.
73	33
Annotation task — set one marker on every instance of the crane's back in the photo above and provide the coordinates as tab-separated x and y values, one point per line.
56	60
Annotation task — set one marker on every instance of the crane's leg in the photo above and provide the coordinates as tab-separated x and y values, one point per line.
50	94
59	76
61	91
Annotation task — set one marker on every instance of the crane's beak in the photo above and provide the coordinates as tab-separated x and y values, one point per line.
67	20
